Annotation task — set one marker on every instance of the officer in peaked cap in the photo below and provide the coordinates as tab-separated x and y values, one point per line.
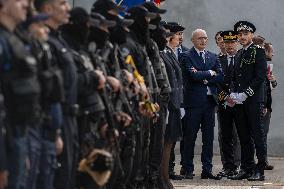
106	6
250	72
244	26
229	146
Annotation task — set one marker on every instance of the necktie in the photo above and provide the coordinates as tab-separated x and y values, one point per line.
201	56
231	64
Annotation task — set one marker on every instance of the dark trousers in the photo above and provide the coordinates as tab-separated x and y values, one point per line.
266	124
181	149
17	158
157	141
228	138
68	160
251	134
196	118
42	156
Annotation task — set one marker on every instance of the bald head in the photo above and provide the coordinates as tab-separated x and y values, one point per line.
199	39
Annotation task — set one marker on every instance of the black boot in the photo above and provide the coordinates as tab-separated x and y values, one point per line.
241	175
257	176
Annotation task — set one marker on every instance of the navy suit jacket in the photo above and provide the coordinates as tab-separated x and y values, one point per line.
195	91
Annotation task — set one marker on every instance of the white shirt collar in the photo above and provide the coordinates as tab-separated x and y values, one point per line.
248	46
198	51
230	56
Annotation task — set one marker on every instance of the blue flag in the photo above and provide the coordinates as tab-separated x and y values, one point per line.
131	3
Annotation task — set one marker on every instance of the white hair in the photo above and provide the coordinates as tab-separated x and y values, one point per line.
197	31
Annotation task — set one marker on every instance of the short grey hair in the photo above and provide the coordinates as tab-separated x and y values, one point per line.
197	31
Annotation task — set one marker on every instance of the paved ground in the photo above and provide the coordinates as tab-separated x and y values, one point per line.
274	179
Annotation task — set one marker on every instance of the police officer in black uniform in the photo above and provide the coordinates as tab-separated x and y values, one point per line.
226	111
20	88
155	44
44	141
63	58
248	95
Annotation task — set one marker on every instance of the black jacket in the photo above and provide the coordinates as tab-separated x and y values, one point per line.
225	88
250	73
159	67
175	78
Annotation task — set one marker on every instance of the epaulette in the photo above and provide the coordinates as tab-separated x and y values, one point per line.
259	47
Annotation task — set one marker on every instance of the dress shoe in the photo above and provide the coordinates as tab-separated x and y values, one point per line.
176	177
206	175
227	172
183	172
269	167
256	176
188	175
241	175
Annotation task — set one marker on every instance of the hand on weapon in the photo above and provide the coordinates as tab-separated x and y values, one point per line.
115	84
124	118
136	87
129	76
102	79
144	111
59	145
3	179
144	92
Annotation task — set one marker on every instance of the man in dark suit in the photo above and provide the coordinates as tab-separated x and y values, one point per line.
250	72
229	144
201	72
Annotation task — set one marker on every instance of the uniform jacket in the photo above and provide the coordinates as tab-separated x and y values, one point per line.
195	91
175	78
251	67
224	89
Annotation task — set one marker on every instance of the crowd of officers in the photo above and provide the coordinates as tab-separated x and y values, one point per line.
88	100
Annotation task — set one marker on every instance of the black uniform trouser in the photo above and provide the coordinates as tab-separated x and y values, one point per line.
229	142
266	124
157	141
65	176
181	149
251	133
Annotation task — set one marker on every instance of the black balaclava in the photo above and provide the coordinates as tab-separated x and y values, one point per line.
156	21
158	35
140	28
117	34
98	36
77	28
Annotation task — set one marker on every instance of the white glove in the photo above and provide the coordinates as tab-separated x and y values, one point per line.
212	73
239	98
242	97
